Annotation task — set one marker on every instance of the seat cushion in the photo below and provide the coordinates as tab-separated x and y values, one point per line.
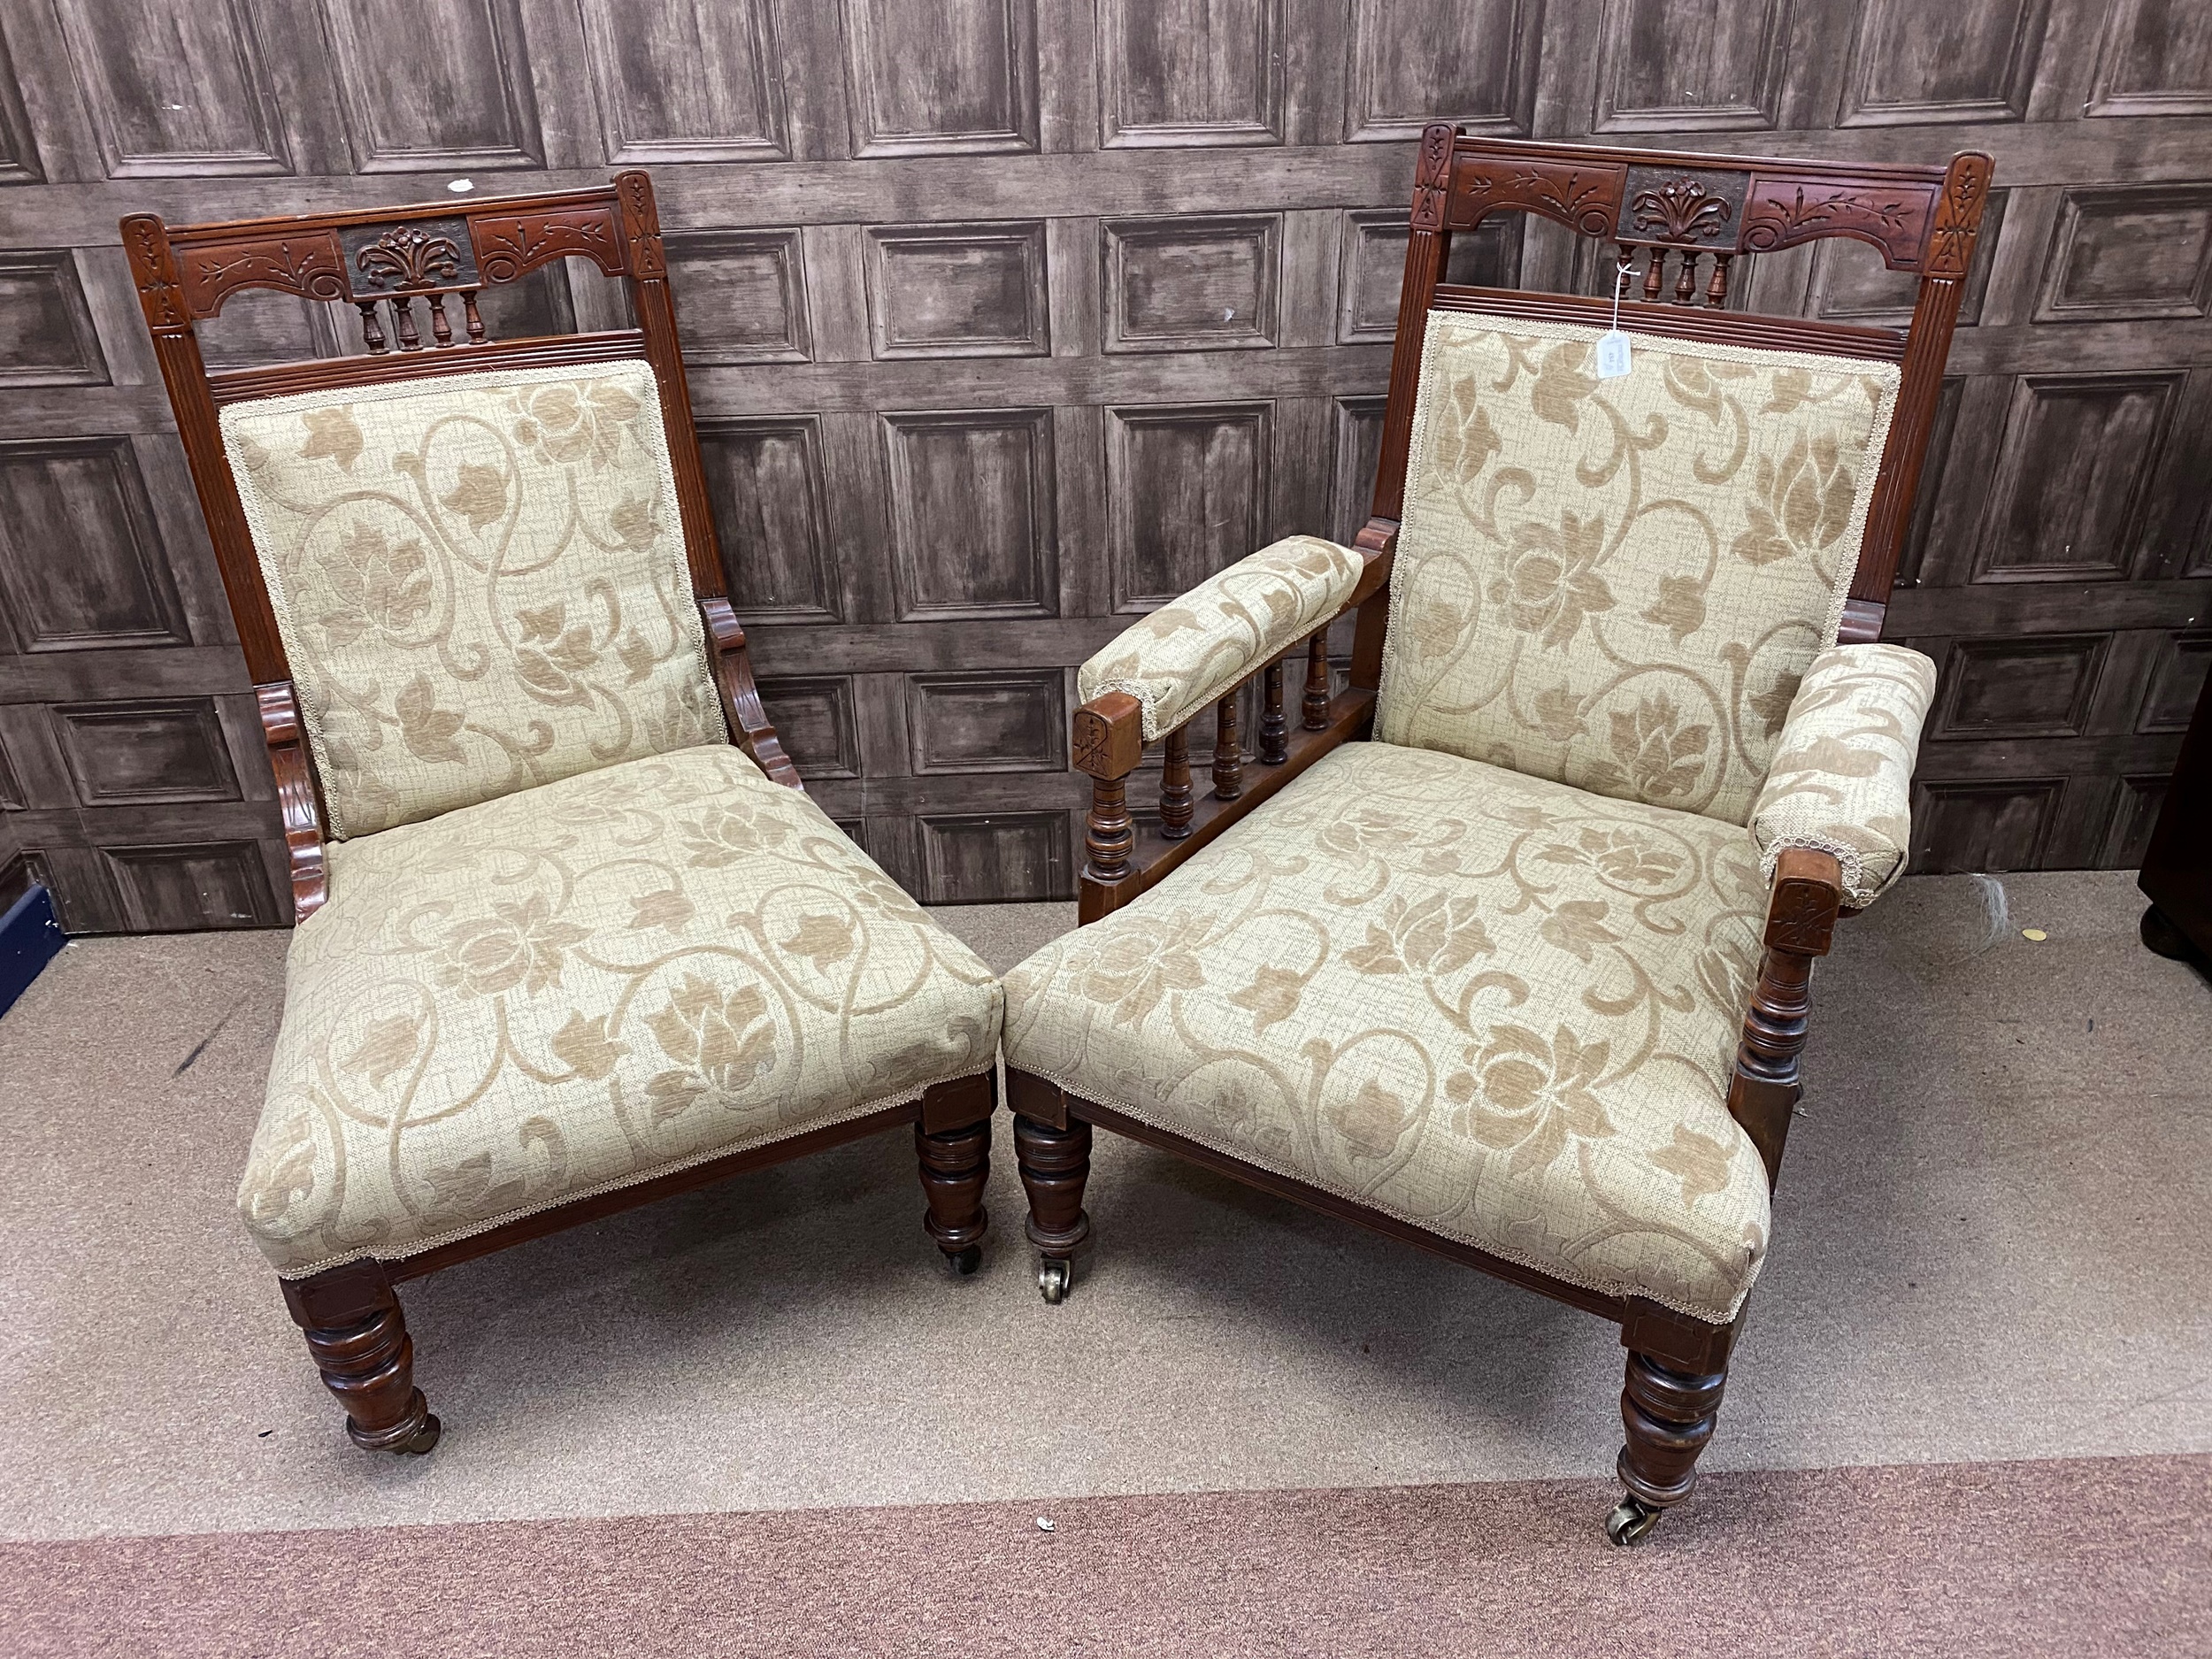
1496	1007
1618	583
480	581
583	987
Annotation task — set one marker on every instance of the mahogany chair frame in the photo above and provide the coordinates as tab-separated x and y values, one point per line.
382	261
1659	207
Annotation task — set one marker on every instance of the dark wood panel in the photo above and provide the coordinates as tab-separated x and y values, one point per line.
999	721
972	513
740	296
958	291
114	587
174	90
1690	65
2154	59
971	859
2175	682
1994	825
46	333
161	750
955	77
1963	60
1191	72
1192	284
816	720
1187	495
2033	687
1416	61
19	149
2124	254
765	480
430	84
687	79
2077	456
182	888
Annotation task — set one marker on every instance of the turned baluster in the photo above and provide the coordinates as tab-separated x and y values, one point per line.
1315	706
1654	274
372	330
1274	730
1716	290
440	330
1685	280
1228	755
475	322
1107	836
403	321
1175	785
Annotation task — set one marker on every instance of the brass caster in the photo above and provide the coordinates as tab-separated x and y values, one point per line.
424	1437
965	1262
1631	1521
1054	1277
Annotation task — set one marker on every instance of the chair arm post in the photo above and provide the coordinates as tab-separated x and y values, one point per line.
1108	742
297	796
1801	912
750	727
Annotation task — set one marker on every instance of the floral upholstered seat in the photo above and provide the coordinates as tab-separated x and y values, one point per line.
1494	1006
580	987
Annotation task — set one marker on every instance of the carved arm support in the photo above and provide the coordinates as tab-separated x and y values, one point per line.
1802	912
1159	676
749	727
298	798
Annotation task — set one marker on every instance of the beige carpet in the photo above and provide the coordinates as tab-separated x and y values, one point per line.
1989	1245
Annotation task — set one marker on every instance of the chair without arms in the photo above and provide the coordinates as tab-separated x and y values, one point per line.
571	936
1524	978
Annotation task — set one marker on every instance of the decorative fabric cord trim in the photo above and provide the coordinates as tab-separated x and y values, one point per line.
654	1174
1603	1287
249	499
1854	533
1852	862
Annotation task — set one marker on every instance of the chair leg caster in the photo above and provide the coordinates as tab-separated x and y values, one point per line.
965	1262
408	1439
1054	1276
1631	1521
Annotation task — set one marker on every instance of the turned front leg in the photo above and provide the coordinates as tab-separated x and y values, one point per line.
1669	1415
358	1339
1054	1164
956	1166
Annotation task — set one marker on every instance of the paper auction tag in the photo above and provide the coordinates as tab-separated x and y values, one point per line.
1612	355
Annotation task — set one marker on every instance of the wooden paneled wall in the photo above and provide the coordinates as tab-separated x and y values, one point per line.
1011	319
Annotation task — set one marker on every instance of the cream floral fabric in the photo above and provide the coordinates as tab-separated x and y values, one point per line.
480	580
1618	583
1493	1006
583	987
1191	653
1843	780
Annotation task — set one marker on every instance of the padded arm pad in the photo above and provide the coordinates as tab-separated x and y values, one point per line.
1841	780
1186	654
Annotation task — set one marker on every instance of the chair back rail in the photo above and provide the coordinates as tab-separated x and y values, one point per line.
1696	213
381	263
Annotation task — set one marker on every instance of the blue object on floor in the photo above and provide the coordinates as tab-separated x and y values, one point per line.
29	939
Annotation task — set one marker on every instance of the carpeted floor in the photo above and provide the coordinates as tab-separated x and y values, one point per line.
1989	1254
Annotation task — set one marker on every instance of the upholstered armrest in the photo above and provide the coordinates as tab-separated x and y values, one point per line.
1841	781
1193	651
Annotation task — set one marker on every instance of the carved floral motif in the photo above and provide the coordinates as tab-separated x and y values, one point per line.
308	266
1785	211
1681	211
1584	197
509	246
405	257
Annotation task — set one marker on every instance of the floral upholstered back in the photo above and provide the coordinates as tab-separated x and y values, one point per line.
480	581
1617	584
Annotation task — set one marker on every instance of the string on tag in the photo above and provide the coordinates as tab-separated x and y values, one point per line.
1613	346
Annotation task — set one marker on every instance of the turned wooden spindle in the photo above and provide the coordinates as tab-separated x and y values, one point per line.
1274	729
1228	750
1716	290
1107	835
403	322
372	330
1314	707
1685	278
476	322
1175	785
1654	274
440	330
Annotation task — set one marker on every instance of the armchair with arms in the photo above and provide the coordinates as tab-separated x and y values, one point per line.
1505	947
